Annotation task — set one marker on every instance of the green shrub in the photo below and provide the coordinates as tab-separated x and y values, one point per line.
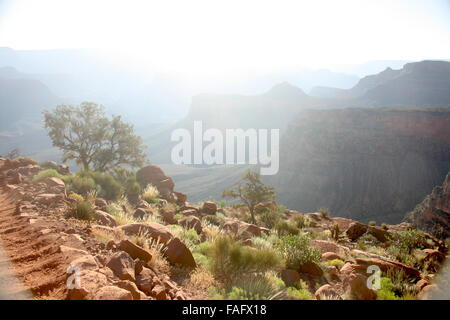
284	228
82	210
103	183
297	251
230	259
300	221
189	237
81	185
214	219
410	239
127	179
338	263
75	196
298	294
388	291
324	212
150	194
372	223
48	173
259	287
269	218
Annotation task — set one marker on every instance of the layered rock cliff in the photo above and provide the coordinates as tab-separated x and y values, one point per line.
365	164
433	213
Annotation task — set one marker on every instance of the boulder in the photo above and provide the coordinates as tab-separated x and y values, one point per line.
178	253
290	277
379	233
29	170
155	176
329	246
90	281
54	182
266	206
105	218
248	230
311	268
140	213
159	292
131	287
168	217
152	229
122	265
231	226
356	230
145	280
385	265
135	251
191	222
326	291
189	212
49	198
85	262
209	207
181	198
330	256
113	293
355	285
422	283
430	292
101	204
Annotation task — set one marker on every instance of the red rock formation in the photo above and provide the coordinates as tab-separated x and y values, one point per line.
433	214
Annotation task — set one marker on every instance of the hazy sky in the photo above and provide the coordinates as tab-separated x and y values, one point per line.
206	35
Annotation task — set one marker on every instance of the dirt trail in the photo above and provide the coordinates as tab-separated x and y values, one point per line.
30	254
10	285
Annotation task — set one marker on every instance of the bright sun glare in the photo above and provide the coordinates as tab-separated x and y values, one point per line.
203	36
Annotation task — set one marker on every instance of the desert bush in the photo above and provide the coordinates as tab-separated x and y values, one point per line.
372	223
300	221
285	228
230	259
202	278
410	239
257	287
103	183
150	194
269	218
189	237
127	179
297	251
75	196
324	212
213	219
338	263
388	291
81	185
48	173
298	294
82	210
404	243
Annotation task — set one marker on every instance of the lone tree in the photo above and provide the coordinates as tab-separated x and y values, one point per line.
251	191
85	134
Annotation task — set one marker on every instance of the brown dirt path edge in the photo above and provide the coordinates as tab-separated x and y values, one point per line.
31	266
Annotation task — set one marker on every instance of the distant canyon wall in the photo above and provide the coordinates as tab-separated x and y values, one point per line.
367	164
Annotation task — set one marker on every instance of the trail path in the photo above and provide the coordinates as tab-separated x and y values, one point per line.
10	286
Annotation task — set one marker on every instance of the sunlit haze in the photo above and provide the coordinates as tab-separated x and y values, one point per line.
206	36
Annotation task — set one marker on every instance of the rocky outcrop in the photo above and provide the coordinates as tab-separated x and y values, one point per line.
433	214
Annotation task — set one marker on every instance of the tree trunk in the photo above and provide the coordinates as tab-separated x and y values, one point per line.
252	213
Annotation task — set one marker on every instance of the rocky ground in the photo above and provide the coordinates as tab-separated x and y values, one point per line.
144	253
